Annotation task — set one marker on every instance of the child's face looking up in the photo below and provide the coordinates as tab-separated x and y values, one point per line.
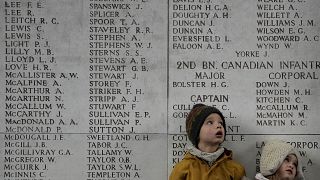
212	131
288	168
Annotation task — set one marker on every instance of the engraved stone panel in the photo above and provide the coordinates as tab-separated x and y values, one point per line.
100	89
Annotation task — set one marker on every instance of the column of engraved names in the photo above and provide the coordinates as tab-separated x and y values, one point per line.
278	105
31	89
284	25
117	43
193	25
194	28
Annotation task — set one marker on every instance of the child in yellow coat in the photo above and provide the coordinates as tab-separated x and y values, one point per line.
207	159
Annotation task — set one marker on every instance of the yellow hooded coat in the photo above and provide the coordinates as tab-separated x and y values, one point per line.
193	168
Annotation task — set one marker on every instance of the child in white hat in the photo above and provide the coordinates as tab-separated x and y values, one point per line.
279	161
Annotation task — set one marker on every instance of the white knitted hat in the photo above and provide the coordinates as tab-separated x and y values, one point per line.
273	154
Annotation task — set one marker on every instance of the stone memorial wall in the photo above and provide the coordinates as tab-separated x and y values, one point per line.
100	89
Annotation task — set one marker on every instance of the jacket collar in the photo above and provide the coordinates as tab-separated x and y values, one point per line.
210	158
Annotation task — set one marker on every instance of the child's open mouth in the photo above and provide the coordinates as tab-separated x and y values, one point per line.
219	134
